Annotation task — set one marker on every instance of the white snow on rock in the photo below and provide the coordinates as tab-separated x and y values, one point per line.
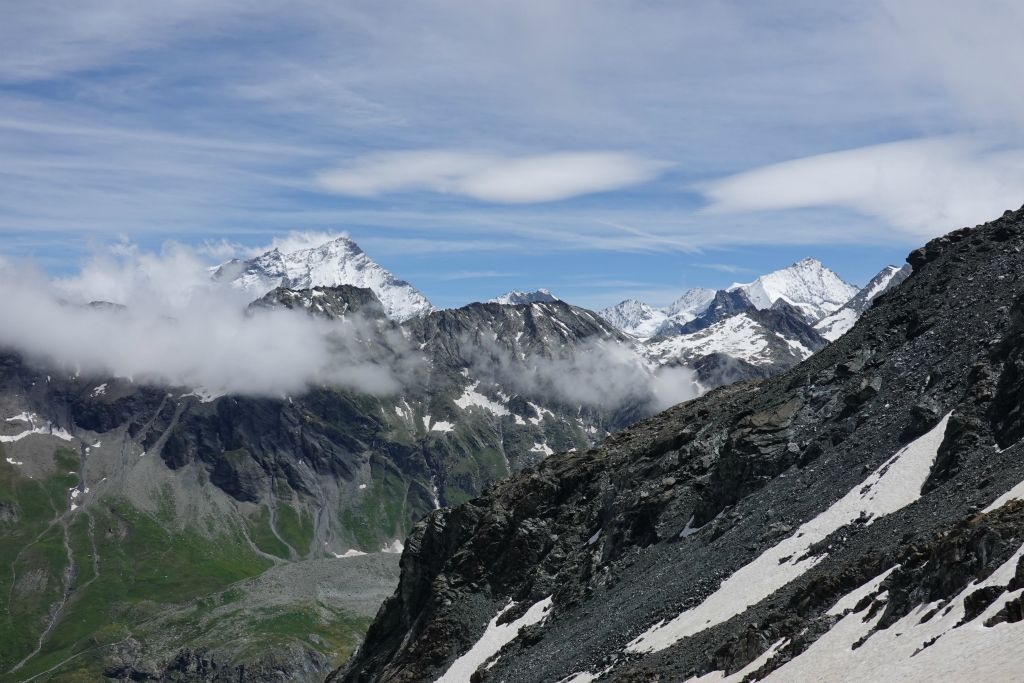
1016	493
806	285
394	547
36	426
351	552
913	649
837	324
739	336
541	412
891	487
493	639
881	282
690	304
516	297
850	600
204	395
473	398
542	448
442	426
737	677
644	321
635	318
337	262
834	326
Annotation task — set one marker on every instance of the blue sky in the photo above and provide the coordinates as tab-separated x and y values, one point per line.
602	149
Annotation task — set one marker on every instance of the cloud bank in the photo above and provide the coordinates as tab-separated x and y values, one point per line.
173	326
491	178
165	322
597	374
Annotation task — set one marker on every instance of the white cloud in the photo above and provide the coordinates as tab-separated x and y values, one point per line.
179	328
923	187
597	373
491	178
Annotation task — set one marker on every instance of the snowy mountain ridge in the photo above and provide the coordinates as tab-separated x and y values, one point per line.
808	285
516	297
837	324
644	321
331	264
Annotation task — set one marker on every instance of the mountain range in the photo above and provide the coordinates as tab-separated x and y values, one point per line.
171	533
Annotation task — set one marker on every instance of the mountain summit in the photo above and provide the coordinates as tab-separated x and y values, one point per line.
807	285
331	264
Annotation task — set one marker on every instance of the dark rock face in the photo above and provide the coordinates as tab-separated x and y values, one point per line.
650	523
329	302
724	305
791	323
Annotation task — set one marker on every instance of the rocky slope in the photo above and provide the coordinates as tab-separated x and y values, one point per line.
853	518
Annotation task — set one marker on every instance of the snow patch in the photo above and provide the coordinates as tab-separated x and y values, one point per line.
395	547
1016	493
542	448
493	639
46	429
970	652
473	398
204	395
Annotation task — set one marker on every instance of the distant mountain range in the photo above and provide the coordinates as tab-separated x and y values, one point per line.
746	331
185	530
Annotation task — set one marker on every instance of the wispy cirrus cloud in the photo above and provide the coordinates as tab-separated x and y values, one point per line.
196	120
491	178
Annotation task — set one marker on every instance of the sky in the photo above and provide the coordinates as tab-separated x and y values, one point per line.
602	149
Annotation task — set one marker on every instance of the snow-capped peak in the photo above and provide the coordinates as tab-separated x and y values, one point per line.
643	320
339	261
807	285
634	317
692	303
538	296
